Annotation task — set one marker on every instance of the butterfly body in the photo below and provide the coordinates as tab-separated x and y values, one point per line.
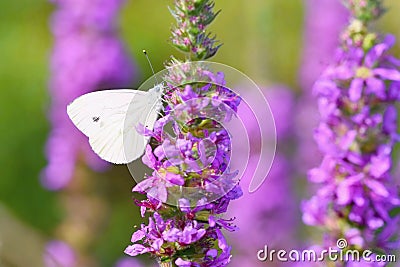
110	117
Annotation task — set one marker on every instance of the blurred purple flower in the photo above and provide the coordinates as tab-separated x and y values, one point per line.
59	254
355	94
128	262
272	218
87	56
324	20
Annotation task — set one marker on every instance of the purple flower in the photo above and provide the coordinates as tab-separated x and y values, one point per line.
87	56
191	184
59	254
272	217
195	157
356	135
324	19
128	262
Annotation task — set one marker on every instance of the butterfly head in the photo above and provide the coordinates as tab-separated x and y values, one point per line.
159	88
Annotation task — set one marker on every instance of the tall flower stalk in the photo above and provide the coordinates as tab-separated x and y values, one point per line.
357	95
184	230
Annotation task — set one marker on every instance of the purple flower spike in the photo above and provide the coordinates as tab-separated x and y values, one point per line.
191	184
356	133
197	157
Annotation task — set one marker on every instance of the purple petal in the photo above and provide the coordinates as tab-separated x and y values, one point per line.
142	211
375	223
317	175
395	61
220	78
342	72
378	50
380	164
343	194
377	187
376	86
144	185
158	192
136	249
157	244
59	254
175	179
314	211
138	235
149	158
222	244
326	88
171	235
159	151
182	263
354	237
211	221
213	253
390	120
142	130
389	74
159	221
345	191
355	89
184	204
347	139
389	40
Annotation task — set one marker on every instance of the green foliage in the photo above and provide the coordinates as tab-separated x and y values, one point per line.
23	77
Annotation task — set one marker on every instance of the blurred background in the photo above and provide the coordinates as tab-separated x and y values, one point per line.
89	216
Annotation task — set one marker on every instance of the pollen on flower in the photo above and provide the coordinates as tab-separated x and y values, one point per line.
363	73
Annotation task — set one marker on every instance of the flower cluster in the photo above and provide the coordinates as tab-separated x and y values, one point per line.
191	183
189	35
365	10
87	56
357	132
191	169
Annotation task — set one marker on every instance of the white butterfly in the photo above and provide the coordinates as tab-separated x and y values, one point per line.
109	118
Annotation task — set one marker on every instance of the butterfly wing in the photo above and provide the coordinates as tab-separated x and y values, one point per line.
103	116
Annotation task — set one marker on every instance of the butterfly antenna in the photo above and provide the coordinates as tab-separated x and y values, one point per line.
151	65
